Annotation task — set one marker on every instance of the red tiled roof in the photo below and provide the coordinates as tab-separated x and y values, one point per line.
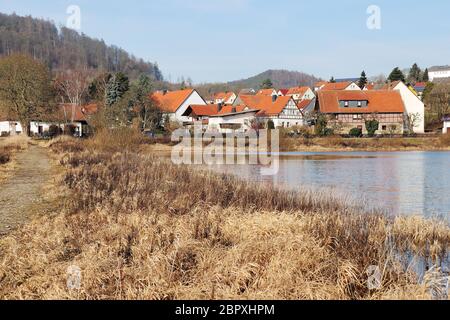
381	101
336	86
225	96
70	112
283	91
320	84
303	104
172	100
265	92
299	90
202	110
266	104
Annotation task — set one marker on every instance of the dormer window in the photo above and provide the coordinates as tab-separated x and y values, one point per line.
346	104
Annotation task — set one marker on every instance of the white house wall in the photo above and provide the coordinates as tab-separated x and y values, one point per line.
439	74
194	98
353	87
413	105
446	127
243	119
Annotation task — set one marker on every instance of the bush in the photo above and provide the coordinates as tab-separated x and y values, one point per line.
356	133
270	125
372	127
4	157
54	130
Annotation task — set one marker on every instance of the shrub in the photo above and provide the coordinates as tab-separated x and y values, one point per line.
321	125
270	125
4	156
372	127
54	130
356	133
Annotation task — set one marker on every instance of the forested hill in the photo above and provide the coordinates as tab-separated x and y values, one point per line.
63	48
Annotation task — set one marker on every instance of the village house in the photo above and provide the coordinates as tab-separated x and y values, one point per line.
446	129
439	72
222	118
226	98
301	93
351	109
174	104
340	86
419	88
307	106
67	115
267	92
282	92
319	85
414	107
283	111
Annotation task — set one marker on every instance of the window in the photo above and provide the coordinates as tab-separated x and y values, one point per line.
384	128
346	103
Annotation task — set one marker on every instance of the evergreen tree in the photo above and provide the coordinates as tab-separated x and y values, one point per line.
396	75
362	80
332	80
415	74
267	84
426	76
117	86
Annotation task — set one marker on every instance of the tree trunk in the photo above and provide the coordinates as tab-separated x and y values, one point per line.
26	127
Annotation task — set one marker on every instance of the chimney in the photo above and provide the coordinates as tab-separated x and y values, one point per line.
274	98
164	92
233	110
220	106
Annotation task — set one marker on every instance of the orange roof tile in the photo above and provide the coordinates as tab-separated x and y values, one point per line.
266	104
172	100
303	104
299	90
202	110
225	96
336	86
381	101
265	92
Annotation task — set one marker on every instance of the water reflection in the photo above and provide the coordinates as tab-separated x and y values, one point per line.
412	183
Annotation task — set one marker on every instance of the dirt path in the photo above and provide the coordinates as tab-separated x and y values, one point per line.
22	191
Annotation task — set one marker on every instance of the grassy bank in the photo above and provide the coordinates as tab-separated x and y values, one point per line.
337	143
8	148
140	227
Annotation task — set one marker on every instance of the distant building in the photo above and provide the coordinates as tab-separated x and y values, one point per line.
340	86
174	104
282	92
414	107
267	92
356	80
446	129
283	111
227	98
439	72
249	91
351	109
419	87
301	93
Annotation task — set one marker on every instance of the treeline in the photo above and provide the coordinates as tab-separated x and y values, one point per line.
62	49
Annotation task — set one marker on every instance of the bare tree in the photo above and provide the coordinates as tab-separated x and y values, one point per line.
72	86
25	90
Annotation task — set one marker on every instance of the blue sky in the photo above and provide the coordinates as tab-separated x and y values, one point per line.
223	40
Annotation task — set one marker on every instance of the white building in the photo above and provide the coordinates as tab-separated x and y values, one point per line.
446	128
235	122
283	111
175	103
301	93
8	127
227	98
439	72
414	107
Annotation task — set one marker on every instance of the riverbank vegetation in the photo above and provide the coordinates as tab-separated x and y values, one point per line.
9	147
139	227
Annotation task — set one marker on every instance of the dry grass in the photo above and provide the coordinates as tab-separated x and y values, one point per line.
337	143
140	227
9	147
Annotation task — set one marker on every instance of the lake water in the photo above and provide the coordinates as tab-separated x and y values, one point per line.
410	183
